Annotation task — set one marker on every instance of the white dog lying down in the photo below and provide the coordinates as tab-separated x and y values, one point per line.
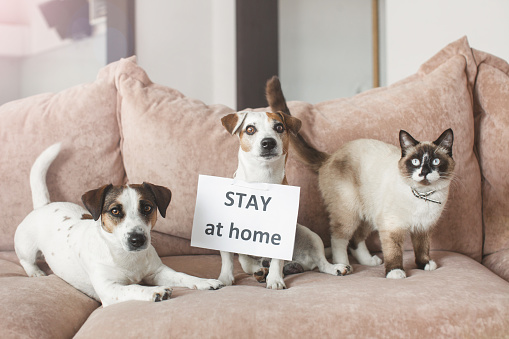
104	252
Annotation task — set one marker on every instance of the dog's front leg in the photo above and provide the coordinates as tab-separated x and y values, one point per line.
166	276
226	275
275	277
112	292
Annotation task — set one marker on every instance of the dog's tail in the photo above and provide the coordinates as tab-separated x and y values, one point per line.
40	194
277	102
275	97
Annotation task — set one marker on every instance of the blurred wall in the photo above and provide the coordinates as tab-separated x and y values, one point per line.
416	30
325	48
190	46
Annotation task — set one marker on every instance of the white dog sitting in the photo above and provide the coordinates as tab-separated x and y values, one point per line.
264	142
104	252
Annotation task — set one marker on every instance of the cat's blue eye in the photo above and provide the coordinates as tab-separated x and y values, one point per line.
416	162
436	162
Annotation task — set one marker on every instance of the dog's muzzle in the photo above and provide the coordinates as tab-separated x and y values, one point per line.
137	241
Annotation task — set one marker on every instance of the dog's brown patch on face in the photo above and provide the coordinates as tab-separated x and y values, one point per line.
147	206
278	119
112	212
245	142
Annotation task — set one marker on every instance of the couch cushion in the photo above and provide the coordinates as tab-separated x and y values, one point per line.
438	97
45	307
169	139
460	299
84	119
492	108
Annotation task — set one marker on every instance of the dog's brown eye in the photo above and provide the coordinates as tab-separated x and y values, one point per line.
250	130
279	128
115	211
147	209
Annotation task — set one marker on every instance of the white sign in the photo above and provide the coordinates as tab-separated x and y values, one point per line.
248	218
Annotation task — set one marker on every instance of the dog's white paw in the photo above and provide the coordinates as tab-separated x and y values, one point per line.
396	274
340	269
431	266
159	293
208	284
226	279
276	283
36	273
32	270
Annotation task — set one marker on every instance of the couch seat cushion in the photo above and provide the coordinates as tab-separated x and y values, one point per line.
45	307
460	299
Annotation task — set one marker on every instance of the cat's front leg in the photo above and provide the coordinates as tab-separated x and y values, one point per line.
392	248
421	242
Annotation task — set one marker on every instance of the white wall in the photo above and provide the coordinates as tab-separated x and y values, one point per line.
190	46
63	67
325	48
416	30
10	83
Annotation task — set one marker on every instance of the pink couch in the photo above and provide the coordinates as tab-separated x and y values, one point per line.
124	128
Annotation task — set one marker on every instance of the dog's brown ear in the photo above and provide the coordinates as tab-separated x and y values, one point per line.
94	200
292	123
162	196
233	121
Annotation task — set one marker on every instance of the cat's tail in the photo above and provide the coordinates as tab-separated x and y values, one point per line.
307	153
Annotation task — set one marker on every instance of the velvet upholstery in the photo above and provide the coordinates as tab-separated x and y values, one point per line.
170	139
362	305
124	128
84	119
492	114
45	307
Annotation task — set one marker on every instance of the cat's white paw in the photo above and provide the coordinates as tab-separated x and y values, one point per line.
375	261
396	274
431	266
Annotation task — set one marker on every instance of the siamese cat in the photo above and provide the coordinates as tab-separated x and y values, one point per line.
369	185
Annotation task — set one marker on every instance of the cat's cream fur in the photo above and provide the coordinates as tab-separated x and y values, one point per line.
367	185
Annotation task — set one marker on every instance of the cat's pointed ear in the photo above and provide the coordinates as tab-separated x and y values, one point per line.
445	141
406	142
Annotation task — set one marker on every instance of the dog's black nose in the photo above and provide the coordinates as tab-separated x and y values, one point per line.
137	239
268	143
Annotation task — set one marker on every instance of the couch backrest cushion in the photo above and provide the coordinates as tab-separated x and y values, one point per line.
169	139
84	119
492	106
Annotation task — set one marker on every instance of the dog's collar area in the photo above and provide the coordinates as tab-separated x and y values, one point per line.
425	196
